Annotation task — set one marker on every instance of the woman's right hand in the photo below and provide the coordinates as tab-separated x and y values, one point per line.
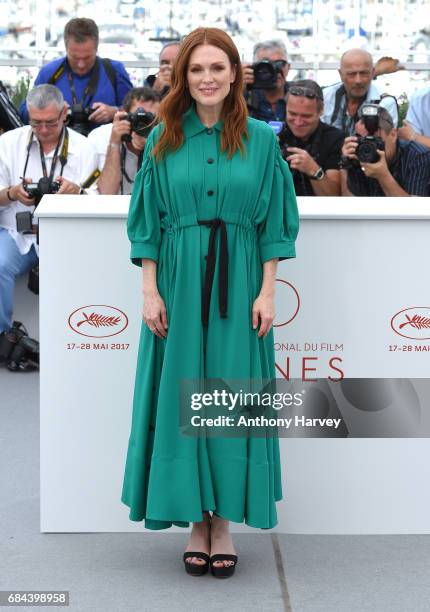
154	313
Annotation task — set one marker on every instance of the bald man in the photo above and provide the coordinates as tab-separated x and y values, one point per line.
343	101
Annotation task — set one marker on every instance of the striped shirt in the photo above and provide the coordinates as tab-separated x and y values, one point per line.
410	168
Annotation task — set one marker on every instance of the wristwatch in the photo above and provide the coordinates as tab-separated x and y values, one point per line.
319	174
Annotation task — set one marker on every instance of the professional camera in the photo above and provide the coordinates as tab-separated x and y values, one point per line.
77	118
266	74
43	187
141	123
368	146
17	350
35	190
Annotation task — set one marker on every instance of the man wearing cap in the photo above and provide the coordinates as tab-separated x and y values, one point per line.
311	148
402	168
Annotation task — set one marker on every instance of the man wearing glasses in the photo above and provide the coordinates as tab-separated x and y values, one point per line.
43	153
267	104
311	148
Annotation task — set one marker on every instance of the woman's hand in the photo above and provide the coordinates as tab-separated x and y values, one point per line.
263	309
154	313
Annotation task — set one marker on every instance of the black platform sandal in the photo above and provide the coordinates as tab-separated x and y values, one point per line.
192	568
225	571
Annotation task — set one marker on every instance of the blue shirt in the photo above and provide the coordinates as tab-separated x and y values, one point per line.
343	121
410	168
262	109
104	93
419	111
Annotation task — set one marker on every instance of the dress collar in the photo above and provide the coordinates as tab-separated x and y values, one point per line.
192	125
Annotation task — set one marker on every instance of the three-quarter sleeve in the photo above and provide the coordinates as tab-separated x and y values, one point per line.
143	223
279	229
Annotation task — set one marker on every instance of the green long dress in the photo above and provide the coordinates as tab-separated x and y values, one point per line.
170	478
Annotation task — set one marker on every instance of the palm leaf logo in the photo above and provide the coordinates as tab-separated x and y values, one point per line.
417	322
98	320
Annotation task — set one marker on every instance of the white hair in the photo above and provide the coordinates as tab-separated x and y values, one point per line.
42	96
270	45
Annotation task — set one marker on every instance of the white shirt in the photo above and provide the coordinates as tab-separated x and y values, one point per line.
373	93
100	138
81	162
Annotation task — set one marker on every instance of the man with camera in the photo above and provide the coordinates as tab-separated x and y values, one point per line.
266	81
93	87
311	148
343	101
120	145
44	157
160	82
376	163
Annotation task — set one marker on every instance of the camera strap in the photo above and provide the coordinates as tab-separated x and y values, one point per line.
90	180
62	157
123	155
109	69
91	87
339	97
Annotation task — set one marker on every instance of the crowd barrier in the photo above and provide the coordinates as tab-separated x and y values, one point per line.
353	310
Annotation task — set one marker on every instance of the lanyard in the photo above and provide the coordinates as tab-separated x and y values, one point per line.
62	156
91	87
124	175
349	121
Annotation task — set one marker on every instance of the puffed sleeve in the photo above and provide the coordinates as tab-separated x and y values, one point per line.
143	223
279	229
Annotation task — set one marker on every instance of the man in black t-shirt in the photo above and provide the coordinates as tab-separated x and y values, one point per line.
312	148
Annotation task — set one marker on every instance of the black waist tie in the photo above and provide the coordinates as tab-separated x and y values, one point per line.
214	224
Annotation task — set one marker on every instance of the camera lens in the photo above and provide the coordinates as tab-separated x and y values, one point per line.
366	152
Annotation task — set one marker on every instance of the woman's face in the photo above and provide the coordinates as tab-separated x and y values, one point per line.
209	76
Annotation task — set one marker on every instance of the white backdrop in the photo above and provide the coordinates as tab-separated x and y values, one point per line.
359	263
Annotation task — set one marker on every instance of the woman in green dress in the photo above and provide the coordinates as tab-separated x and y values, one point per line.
212	211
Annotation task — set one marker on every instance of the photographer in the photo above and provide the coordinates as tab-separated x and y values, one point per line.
160	82
311	147
343	101
94	88
45	157
266	81
120	145
376	163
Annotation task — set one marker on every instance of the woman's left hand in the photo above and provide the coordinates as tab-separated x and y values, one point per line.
263	309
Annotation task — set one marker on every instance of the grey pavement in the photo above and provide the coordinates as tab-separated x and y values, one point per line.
124	572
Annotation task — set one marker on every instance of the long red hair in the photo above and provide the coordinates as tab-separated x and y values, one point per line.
178	100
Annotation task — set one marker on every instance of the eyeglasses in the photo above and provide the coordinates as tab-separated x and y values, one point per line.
50	125
296	90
